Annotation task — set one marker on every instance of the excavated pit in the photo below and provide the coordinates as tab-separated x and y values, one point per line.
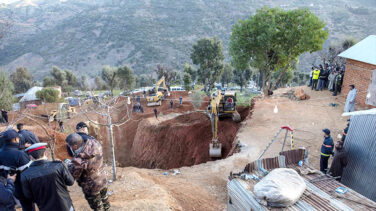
179	138
174	141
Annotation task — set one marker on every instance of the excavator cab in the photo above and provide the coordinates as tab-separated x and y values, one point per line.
157	94
222	104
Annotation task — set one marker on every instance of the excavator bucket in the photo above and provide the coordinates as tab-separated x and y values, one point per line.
215	149
236	117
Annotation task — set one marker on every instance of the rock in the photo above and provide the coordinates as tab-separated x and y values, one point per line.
301	95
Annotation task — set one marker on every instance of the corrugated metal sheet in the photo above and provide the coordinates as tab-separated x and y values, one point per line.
319	195
360	173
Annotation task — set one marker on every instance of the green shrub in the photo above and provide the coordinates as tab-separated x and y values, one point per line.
48	95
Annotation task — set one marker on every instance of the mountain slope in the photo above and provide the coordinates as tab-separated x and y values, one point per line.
84	35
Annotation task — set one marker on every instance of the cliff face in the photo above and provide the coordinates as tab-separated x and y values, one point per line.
84	35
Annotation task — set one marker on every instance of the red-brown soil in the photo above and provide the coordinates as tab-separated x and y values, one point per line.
180	141
180	136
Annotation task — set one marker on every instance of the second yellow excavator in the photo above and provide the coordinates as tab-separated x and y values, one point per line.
221	104
155	98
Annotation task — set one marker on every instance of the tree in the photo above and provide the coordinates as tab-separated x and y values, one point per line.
126	77
196	99
187	81
110	76
71	78
331	53
22	80
145	80
6	92
99	83
167	72
58	76
241	77
84	83
226	76
48	95
273	39
63	78
48	81
191	71
208	54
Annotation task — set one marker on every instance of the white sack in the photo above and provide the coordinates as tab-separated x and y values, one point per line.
282	187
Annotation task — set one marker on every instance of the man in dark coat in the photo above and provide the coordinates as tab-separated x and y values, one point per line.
7	193
13	160
4	114
155	113
45	182
326	150
27	138
82	129
339	161
87	168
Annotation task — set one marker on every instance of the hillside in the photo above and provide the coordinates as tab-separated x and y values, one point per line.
83	35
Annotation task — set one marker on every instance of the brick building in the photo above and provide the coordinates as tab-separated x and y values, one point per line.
361	71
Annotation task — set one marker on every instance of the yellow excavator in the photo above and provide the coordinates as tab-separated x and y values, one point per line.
222	103
64	111
155	97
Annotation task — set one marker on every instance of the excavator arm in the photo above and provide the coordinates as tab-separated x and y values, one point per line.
215	149
163	82
157	98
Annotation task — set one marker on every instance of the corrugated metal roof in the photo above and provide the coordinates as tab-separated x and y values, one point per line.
30	95
364	51
360	144
319	195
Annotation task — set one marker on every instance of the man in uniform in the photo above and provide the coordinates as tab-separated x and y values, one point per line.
87	168
7	193
326	150
27	138
45	182
13	160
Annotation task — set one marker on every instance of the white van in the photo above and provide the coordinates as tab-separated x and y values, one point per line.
177	88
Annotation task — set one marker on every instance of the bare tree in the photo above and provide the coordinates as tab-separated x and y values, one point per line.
48	130
107	109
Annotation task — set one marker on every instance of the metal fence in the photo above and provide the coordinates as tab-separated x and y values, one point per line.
360	143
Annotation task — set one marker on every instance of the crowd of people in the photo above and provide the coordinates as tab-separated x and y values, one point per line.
331	77
328	77
28	178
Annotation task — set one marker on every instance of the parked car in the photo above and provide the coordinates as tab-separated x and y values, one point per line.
177	88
